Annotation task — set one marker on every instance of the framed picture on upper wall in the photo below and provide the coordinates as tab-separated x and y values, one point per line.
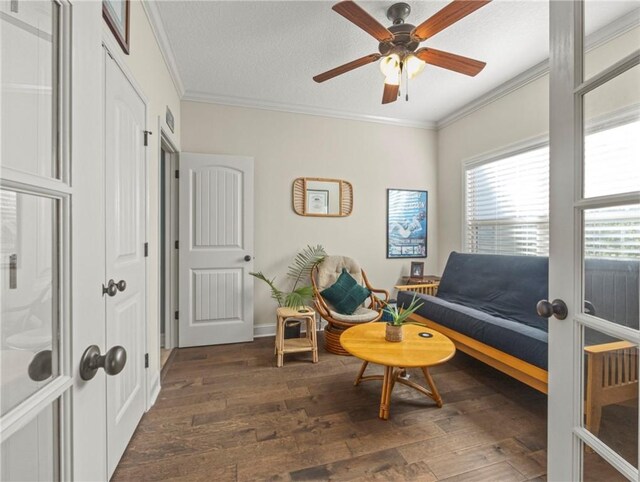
116	14
406	223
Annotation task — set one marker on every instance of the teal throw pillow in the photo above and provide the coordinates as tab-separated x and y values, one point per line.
346	294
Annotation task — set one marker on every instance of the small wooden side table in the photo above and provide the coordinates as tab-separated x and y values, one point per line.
294	345
427	285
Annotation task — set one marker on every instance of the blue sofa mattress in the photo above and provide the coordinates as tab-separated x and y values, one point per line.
492	299
522	341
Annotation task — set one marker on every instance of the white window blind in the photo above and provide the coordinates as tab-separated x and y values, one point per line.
507	199
507	205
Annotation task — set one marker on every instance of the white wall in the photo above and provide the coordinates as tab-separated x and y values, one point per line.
146	64
373	157
514	119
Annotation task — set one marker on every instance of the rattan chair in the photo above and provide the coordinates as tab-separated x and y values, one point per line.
323	276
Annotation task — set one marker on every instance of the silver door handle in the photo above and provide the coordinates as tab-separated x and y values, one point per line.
121	285
111	289
112	361
556	308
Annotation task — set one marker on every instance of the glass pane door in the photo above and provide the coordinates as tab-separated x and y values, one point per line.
609	209
35	378
29	292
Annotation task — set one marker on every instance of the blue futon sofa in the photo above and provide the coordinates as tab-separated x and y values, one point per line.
487	305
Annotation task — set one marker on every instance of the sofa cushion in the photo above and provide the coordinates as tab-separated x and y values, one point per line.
524	342
345	294
508	287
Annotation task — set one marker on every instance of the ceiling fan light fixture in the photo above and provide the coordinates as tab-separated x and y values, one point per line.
393	78
413	65
390	66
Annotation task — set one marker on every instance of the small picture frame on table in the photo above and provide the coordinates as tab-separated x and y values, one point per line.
417	269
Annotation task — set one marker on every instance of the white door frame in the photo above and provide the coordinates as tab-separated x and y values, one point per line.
152	378
165	142
566	433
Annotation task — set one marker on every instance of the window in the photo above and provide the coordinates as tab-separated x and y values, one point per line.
507	199
507	208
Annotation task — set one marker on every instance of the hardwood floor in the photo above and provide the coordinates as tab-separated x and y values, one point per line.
227	413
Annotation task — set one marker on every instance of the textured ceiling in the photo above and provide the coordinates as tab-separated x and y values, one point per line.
266	53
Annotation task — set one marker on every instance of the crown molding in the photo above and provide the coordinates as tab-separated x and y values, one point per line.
614	29
157	26
204	97
595	40
484	100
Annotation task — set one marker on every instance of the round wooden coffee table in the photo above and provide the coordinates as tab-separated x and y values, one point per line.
420	348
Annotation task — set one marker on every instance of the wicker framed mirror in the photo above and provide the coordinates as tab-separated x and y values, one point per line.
322	197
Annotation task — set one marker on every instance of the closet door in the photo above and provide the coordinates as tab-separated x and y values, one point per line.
125	261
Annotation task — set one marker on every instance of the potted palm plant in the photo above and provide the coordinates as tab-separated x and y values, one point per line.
299	273
393	330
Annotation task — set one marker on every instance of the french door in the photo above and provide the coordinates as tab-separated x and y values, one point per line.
52	264
594	242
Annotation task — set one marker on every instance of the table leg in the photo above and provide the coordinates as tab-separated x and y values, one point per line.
280	341
432	386
311	328
360	373
385	399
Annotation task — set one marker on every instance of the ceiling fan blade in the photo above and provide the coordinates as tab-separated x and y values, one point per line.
446	60
449	15
355	14
390	93
330	74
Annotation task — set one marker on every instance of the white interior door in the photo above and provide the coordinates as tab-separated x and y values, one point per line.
125	258
594	253
52	423
216	249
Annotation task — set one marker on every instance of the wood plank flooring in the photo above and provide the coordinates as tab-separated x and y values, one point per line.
227	413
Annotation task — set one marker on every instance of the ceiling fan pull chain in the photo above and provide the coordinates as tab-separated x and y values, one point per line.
406	90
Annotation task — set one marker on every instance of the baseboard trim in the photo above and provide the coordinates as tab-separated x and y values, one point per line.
260	331
154	391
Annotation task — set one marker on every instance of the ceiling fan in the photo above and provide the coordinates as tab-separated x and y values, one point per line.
399	53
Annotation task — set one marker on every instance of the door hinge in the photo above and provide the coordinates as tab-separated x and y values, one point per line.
146	360
177	244
176	315
177	174
146	250
146	137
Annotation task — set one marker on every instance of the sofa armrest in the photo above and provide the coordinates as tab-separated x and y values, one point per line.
608	347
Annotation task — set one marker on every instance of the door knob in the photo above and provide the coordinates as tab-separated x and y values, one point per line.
247	258
111	289
40	367
121	285
556	308
113	361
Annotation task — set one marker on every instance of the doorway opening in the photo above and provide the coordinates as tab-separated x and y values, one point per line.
168	248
